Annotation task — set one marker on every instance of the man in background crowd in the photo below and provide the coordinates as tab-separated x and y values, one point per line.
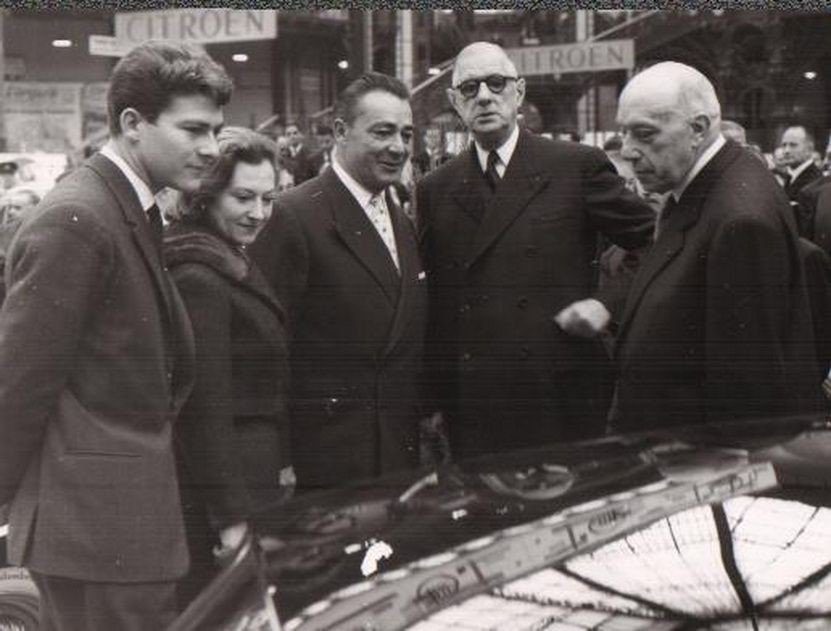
344	262
432	154
96	357
301	163
798	155
326	145
510	229
717	323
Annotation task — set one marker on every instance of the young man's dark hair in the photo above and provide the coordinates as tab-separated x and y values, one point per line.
152	73
369	82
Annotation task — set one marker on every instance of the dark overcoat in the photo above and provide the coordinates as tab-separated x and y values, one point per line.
233	431
357	330
96	360
500	267
717	325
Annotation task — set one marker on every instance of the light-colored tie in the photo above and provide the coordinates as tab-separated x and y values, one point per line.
380	217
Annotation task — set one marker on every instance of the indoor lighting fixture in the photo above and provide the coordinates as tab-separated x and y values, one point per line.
810	75
433	71
343	64
62	43
240	57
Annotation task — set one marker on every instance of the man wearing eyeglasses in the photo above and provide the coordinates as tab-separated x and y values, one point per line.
510	231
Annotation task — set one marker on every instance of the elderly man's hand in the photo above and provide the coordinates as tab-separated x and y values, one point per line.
584	318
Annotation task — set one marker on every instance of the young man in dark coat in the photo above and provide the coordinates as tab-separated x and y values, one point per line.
510	232
96	357
344	262
717	324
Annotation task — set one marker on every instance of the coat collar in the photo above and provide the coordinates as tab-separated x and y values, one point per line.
190	243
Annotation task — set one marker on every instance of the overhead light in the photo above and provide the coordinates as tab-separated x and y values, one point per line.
62	43
343	64
240	57
810	75
433	71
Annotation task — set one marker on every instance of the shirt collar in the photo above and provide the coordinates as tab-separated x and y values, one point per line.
505	151
795	173
361	194
702	161
145	195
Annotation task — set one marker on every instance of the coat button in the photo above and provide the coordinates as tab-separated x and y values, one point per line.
522	303
466	357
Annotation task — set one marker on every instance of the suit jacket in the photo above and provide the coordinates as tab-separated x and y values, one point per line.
97	359
233	432
717	323
356	332
500	267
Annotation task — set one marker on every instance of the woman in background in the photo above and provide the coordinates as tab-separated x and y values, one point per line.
233	433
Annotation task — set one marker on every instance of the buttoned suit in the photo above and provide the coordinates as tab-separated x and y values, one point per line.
356	329
717	323
500	266
96	355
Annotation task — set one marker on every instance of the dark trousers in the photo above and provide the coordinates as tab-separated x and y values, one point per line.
72	605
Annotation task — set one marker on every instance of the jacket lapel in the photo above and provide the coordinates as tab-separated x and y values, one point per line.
359	235
408	262
467	193
522	181
180	345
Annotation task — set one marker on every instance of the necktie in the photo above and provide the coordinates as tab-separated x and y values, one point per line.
380	218
491	174
669	207
154	217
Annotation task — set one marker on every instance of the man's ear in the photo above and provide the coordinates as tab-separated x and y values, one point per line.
340	128
700	124
129	121
520	91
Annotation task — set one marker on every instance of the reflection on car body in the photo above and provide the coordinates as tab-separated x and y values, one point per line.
710	528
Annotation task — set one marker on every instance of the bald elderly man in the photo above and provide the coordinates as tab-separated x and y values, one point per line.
717	324
510	230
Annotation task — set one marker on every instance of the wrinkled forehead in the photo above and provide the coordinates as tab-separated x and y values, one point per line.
482	62
648	103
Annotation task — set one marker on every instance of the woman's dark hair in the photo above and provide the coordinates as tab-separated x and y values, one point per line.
152	74
236	144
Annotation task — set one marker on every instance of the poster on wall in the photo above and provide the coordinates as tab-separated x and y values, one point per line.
43	116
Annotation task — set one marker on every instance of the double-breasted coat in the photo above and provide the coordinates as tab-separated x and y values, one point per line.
500	266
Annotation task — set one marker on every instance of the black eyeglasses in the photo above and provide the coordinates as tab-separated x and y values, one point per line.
495	82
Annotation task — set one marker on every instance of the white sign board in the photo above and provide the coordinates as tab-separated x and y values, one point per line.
196	25
42	116
108	46
613	54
